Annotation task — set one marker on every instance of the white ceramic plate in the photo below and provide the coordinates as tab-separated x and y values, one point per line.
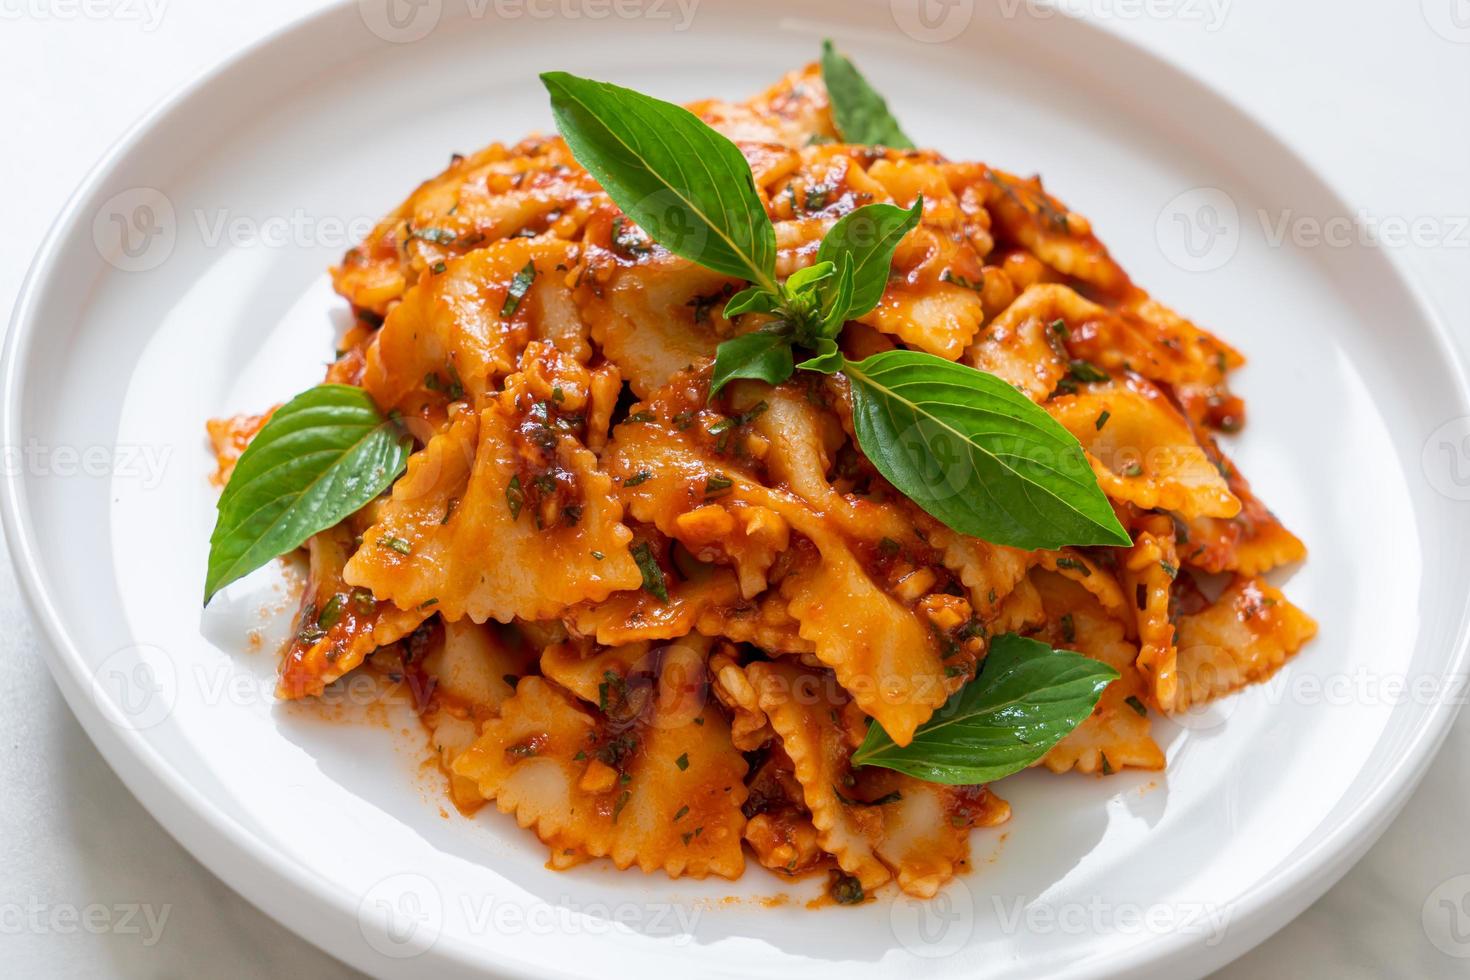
185	280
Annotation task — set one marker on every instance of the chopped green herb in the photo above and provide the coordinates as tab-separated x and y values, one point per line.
519	286
716	485
623	798
395	544
640	417
428	602
682	762
1102	419
702	305
883	800
613	683
626	240
437	268
1133	469
331	612
614	752
637	478
948	275
1059	327
310	632
363	601
680	814
1170	570
1107	766
515	497
653	576
1085	371
438	236
816	197
845	889
1074	565
1069	628
598	555
1136	705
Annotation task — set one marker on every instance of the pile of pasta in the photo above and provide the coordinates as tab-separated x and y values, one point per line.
652	625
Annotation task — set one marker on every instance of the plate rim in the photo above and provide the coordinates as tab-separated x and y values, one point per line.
237	856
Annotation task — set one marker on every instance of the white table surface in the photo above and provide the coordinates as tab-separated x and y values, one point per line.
1375	93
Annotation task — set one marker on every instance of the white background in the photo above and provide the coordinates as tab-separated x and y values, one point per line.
1375	93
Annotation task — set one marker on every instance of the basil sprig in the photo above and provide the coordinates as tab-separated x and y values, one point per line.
322	456
1026	698
861	114
691	190
961	444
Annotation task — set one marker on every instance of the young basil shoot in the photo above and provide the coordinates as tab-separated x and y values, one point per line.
963	445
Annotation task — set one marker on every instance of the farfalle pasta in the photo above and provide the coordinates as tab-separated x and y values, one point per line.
651	621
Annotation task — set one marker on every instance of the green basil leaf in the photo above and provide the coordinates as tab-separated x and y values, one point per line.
827	359
322	456
869	235
687	186
861	114
809	278
977	454
755	298
1026	699
764	355
837	298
